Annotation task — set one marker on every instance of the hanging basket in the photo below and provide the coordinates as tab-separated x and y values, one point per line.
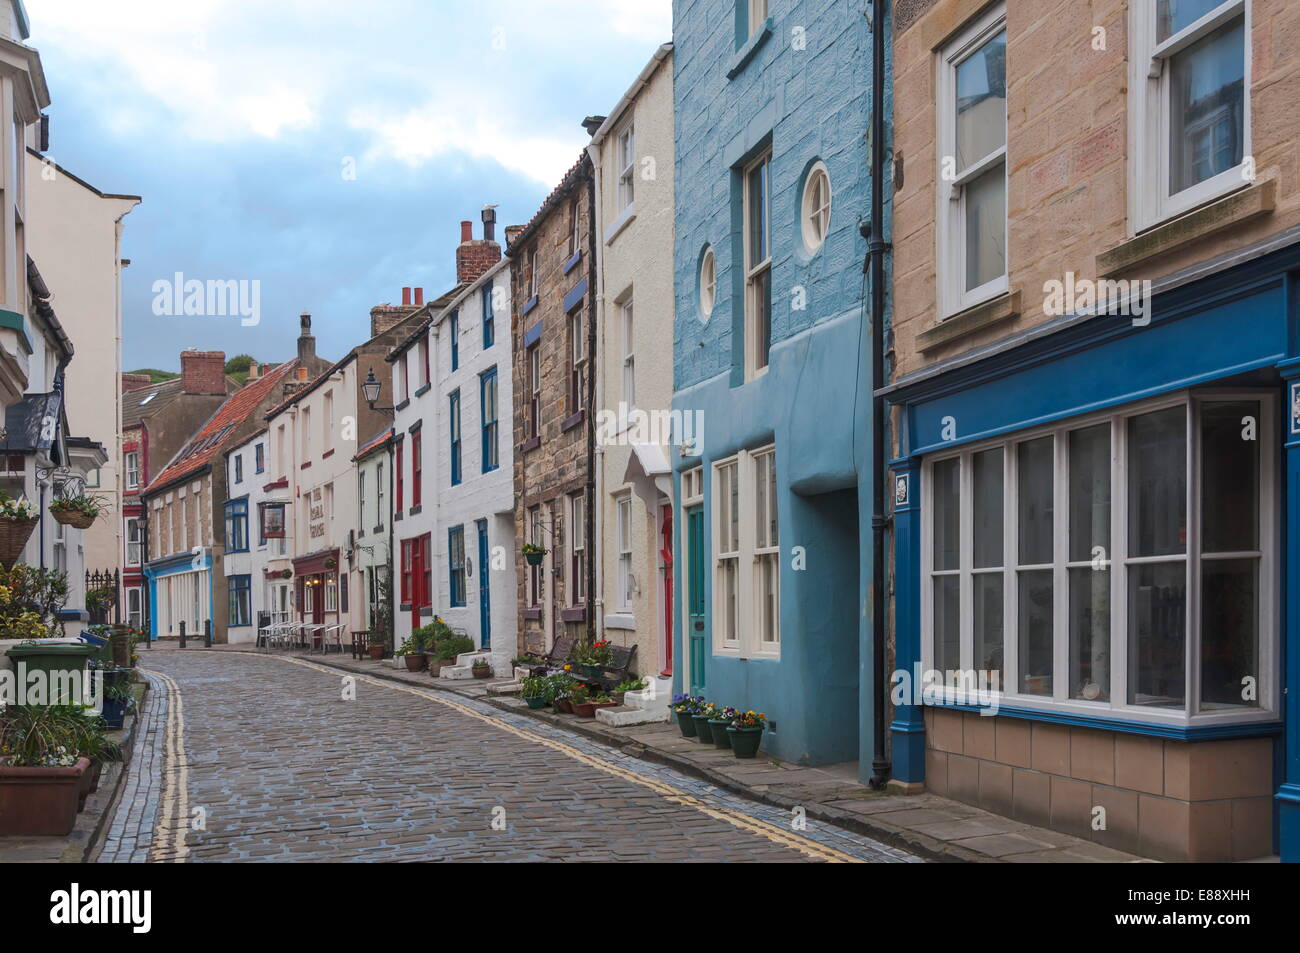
534	558
14	534
74	518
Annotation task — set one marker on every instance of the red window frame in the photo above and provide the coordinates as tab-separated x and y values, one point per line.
407	558
417	469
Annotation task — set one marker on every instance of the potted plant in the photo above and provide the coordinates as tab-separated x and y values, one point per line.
412	649
533	690
719	724
98	602
533	554
40	771
702	717
482	668
746	732
79	512
447	648
558	687
580	698
330	563
629	685
590	660
17	520
599	700
684	706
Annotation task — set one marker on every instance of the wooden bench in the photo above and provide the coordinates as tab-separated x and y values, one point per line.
559	654
361	644
614	672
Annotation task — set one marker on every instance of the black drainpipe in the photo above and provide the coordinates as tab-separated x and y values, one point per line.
876	249
590	528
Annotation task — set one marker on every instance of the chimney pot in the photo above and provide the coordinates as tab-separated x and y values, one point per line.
302	374
406	297
306	341
489	223
466	232
419	297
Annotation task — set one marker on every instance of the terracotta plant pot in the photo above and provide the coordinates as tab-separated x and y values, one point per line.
482	671
585	709
564	706
416	662
376	652
40	802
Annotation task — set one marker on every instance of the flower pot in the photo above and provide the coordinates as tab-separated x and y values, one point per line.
534	559
376	651
481	671
74	518
40	802
536	702
14	534
686	723
744	741
720	737
564	706
702	729
584	709
114	712
416	662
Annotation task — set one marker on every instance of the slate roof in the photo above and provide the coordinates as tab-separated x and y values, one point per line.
576	174
205	445
137	405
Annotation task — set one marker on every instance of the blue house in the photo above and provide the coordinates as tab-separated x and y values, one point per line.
770	341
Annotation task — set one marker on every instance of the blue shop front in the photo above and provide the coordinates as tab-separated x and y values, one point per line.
1097	539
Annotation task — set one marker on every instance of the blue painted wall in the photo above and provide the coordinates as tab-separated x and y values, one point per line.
814	402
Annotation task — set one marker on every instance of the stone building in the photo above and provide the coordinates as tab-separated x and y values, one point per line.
552	336
1096	407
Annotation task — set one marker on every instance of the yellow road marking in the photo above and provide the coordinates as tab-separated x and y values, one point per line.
752	825
175	801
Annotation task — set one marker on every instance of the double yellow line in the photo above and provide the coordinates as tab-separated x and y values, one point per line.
169	829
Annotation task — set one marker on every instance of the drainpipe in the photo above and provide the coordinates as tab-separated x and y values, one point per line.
877	247
590	528
598	292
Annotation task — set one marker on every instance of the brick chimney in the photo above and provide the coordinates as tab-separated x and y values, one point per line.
203	372
475	256
306	340
384	317
132	382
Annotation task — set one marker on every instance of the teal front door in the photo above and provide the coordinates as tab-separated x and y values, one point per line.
484	593
696	632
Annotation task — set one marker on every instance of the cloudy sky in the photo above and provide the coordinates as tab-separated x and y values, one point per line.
240	122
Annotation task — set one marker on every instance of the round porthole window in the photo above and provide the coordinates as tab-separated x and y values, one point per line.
816	210
708	283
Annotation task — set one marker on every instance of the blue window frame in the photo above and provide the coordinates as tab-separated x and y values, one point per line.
259	454
487	389
456	564
237	526
455	436
241	601
489	319
455	339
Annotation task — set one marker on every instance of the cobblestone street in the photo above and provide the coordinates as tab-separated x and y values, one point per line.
246	758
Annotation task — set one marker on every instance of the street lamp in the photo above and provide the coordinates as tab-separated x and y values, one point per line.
371	388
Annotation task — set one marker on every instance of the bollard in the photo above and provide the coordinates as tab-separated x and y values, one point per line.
182	635
207	633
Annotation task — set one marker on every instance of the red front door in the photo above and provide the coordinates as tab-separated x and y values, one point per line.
421	578
666	557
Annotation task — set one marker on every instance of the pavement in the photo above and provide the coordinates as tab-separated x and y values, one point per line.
260	757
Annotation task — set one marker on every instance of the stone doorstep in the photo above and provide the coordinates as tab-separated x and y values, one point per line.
626	715
933	827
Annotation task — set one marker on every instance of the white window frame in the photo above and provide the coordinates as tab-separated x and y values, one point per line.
708	283
1117	708
626	150
577	548
753	369
577	361
951	210
623	541
134	541
815	211
762	468
748	643
1149	122
628	394
757	14
131	463
532	272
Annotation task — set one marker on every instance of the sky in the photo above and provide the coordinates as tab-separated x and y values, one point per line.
325	149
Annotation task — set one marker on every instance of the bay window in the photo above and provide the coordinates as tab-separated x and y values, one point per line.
1118	566
1190	112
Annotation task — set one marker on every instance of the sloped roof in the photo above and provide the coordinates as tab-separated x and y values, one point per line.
146	401
373	444
577	172
205	445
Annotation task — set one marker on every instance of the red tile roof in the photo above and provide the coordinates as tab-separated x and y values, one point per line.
374	444
208	442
